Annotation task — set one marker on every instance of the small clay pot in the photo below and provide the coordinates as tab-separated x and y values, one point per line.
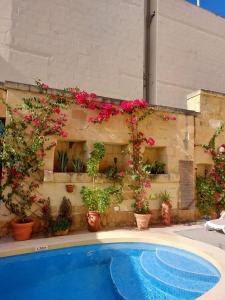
69	188
22	231
93	220
142	221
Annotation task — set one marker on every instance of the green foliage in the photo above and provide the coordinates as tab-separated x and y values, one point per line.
95	157
65	209
143	209
205	195
64	219
62	161
154	168
211	190
165	197
111	173
59	224
96	199
78	165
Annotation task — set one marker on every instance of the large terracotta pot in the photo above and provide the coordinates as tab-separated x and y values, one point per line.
93	219
142	220
22	231
166	213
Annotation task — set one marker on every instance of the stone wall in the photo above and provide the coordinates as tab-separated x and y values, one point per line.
176	141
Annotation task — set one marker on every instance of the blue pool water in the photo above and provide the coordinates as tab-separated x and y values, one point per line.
118	271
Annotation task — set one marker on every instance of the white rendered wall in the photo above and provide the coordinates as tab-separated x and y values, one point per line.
95	44
189	43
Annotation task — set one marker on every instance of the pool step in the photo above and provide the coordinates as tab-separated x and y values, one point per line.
131	282
170	282
185	265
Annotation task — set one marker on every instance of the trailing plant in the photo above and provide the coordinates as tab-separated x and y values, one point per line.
205	195
78	165
23	145
62	161
95	157
94	198
211	188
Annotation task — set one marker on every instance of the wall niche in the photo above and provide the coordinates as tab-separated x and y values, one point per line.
156	158
70	156
115	155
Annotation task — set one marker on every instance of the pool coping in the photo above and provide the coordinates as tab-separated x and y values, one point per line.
211	253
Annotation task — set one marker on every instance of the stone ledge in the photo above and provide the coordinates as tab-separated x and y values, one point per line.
35	89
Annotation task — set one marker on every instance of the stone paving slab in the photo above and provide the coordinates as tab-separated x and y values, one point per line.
215	238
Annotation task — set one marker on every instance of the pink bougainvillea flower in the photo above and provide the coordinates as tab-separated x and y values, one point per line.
28	118
91	105
147	184
64	134
129	162
44	86
150	141
56	109
82	97
126	106
37	122
93	95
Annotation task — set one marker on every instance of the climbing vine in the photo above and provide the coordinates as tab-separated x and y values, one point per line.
211	188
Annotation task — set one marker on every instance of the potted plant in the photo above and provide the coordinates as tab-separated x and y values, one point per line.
62	223
96	199
165	207
142	215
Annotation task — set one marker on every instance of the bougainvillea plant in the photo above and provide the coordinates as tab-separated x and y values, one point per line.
211	188
23	144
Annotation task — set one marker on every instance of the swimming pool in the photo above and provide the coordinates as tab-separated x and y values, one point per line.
132	271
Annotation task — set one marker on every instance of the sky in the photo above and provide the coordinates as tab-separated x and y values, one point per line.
215	6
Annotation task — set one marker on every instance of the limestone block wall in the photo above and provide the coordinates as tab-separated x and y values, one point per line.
212	108
174	143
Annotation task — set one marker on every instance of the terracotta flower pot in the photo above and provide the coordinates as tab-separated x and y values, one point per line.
93	219
69	188
22	231
166	213
142	220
